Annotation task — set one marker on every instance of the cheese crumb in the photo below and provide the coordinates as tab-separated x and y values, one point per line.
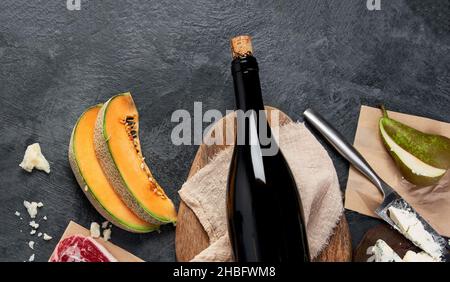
17	213
34	158
31	258
86	188
32	231
39	234
95	230
45	217
105	224
47	237
107	234
32	208
34	224
31	245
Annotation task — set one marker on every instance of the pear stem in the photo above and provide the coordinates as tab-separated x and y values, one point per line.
383	109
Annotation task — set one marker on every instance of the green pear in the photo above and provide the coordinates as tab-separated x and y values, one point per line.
422	158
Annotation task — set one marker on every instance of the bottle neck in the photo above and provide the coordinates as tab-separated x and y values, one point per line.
251	117
247	87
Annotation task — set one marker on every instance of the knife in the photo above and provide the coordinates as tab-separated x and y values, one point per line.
390	197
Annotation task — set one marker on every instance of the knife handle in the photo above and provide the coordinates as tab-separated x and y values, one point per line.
343	147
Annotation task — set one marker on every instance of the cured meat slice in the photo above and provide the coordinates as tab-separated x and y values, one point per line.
79	248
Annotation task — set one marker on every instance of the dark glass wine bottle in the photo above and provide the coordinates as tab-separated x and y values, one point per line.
265	214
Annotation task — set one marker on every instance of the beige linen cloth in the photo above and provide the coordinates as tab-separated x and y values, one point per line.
314	174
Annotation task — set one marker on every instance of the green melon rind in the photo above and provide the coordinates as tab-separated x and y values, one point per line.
115	177
91	195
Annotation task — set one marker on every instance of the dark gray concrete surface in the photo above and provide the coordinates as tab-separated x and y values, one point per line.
329	55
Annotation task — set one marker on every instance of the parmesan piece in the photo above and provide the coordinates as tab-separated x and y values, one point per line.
31	245
31	258
32	231
17	213
39	234
34	158
95	230
47	237
32	208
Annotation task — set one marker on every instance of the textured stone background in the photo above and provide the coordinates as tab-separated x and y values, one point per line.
329	55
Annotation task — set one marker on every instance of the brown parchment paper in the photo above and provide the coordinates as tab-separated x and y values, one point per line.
432	202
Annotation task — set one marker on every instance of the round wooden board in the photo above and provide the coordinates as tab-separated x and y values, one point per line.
191	238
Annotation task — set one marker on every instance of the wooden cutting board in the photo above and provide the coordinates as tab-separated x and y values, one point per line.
386	233
191	238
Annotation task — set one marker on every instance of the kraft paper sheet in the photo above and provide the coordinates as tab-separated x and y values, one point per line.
432	202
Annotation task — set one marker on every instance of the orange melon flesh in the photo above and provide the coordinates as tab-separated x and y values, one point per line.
99	190
128	162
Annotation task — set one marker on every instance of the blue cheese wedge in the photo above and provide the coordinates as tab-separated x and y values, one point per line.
381	252
412	256
412	228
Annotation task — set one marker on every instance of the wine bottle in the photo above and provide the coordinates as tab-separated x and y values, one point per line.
264	210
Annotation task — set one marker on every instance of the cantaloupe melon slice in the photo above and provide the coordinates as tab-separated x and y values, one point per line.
93	181
116	141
